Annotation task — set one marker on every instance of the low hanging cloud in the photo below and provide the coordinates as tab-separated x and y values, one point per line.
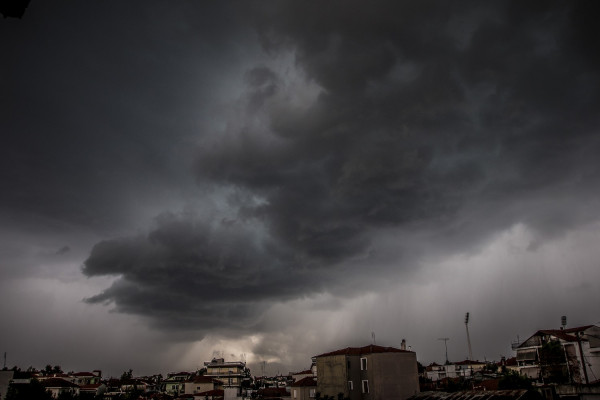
188	274
439	123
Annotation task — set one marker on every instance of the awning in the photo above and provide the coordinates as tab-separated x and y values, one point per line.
527	355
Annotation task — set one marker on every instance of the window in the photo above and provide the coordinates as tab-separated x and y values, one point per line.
365	386
350	385
363	364
295	393
311	393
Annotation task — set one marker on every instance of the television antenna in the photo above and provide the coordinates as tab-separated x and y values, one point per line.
445	339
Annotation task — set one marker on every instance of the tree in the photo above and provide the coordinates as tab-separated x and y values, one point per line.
127	375
513	380
33	390
553	362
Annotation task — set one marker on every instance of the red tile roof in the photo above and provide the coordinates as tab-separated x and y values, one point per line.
58	382
83	374
557	333
308	381
564	334
489	384
308	371
578	328
511	361
357	351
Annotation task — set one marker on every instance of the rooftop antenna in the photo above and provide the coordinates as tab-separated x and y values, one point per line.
373	337
445	339
468	337
563	321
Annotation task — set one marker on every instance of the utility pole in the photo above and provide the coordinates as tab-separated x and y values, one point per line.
468	338
445	339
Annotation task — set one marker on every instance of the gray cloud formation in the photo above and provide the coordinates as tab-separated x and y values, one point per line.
441	121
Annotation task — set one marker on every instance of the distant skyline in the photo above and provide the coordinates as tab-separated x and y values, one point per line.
275	179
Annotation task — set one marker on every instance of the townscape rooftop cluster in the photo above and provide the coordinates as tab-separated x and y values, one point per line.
558	363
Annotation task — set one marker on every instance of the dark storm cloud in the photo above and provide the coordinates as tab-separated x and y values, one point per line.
455	120
189	274
98	104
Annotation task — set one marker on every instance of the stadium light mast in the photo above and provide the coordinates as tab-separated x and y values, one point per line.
468	337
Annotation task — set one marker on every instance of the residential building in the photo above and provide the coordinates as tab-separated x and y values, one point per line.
175	382
508	364
217	394
461	369
304	389
561	355
232	374
57	386
480	395
296	376
368	373
133	385
271	393
92	390
201	384
85	378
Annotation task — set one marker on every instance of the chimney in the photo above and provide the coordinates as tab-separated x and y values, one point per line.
403	345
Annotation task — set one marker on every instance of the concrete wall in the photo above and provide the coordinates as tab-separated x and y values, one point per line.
301	392
332	376
392	376
5	377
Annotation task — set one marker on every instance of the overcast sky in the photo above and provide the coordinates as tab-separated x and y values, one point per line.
273	180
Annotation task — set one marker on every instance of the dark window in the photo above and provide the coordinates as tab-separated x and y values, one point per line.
365	386
363	364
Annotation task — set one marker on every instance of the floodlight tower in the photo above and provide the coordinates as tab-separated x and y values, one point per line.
468	337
